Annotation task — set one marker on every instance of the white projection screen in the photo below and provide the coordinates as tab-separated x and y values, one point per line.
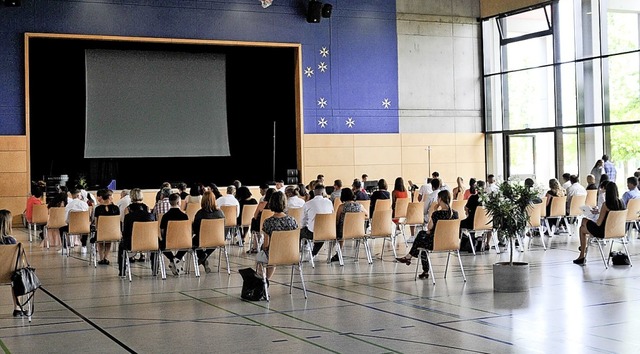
155	104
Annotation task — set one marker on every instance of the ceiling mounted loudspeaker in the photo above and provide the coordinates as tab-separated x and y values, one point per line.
314	11
11	3
326	10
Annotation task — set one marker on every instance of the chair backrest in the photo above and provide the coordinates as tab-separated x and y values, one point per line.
633	208
336	203
458	205
212	233
79	222
433	207
353	226
415	213
40	214
415	195
108	228
382	225
534	211
481	219
230	215
366	204
447	235
192	209
402	204
145	236
558	206
247	214
296	213
615	226
543	212
324	227
577	201
382	204
8	256
266	213
284	248
57	218
179	234
592	198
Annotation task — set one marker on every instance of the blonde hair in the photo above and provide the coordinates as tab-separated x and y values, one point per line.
5	223
136	195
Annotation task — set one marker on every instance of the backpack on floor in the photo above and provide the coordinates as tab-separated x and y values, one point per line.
252	286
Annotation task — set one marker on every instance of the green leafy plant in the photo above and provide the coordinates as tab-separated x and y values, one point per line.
507	208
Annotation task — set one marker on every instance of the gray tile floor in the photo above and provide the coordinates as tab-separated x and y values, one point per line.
358	308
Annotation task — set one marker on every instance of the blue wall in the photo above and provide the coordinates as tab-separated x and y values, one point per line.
351	85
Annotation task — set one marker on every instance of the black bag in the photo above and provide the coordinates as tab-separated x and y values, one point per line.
619	258
24	280
252	286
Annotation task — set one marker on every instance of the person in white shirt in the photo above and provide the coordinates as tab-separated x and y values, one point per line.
491	185
337	189
432	198
123	203
318	205
280	187
293	198
425	190
566	180
76	204
575	188
229	199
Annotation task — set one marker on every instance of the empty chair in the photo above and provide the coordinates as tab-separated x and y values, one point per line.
179	237
382	204
39	218
284	250
535	223
446	238
415	216
79	224
354	228
108	229
324	230
336	203
212	236
145	238
458	205
382	226
614	228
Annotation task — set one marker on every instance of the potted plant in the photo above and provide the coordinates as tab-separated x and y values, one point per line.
507	208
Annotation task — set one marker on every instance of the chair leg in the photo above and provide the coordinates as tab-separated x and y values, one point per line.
461	267
624	244
264	281
127	264
309	248
433	277
367	250
415	278
393	243
494	238
339	250
602	254
194	256
291	279
160	261
472	241
446	267
304	287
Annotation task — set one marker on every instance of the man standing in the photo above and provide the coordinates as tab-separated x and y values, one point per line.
609	168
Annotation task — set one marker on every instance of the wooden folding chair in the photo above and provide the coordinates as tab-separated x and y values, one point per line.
382	226
284	250
145	238
179	238
354	228
212	235
39	218
79	224
324	230
108	229
614	228
445	239
231	222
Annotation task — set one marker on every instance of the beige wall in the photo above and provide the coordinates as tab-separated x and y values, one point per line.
389	156
14	180
490	8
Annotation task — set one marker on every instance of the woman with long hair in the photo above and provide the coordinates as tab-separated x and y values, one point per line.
472	189
425	239
208	210
399	191
459	191
596	228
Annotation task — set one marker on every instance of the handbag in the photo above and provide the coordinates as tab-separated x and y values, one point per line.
262	257
24	280
252	285
619	258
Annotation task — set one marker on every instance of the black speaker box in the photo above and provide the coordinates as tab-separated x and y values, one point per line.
326	10
314	11
292	173
292	180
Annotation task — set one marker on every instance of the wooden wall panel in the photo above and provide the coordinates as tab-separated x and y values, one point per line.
14	184
328	140
13	142
13	161
378	155
377	140
16	205
328	156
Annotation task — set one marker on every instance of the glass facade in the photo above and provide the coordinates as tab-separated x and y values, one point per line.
562	88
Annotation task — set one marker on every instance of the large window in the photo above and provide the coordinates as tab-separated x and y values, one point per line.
562	88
